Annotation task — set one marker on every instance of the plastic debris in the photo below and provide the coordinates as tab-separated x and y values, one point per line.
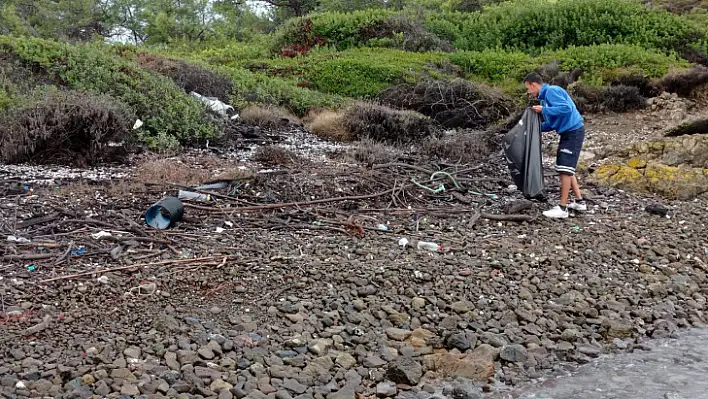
382	227
191	195
575	228
403	242
31	268
214	104
429	246
103	279
144	289
100	234
220	230
80	251
213	186
138	124
165	213
229	224
17	239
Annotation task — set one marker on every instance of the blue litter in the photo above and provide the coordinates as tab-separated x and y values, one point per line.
79	251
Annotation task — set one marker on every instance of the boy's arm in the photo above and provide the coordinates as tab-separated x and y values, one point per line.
545	127
560	106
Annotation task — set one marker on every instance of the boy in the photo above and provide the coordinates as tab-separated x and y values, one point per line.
560	114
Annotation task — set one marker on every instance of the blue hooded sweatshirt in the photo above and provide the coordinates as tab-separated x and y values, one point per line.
559	111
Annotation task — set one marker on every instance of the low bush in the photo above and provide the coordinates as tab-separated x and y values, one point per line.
618	98
370	152
268	116
687	82
66	127
621	98
461	148
274	155
188	76
386	125
452	104
171	117
329	125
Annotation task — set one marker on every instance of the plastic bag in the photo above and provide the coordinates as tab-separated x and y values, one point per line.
522	147
214	104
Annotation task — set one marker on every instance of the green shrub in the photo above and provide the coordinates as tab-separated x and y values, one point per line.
365	28
357	72
536	25
600	64
170	116
258	88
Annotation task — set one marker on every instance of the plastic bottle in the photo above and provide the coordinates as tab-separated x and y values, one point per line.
191	195
428	246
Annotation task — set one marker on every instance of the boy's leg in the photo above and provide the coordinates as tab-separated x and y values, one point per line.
566	160
576	188
566	183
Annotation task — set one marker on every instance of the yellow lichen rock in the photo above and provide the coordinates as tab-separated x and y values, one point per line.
672	182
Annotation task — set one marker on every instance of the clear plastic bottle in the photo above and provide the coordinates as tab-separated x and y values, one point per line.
191	195
428	246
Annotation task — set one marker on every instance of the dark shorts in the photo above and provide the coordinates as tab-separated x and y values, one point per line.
571	142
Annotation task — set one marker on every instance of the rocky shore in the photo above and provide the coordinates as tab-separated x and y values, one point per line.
289	305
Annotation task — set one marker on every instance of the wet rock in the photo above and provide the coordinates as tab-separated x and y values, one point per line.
474	366
405	371
514	353
618	329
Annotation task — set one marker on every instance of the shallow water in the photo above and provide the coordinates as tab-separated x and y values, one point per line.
672	369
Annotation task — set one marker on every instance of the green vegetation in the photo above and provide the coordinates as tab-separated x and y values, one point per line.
310	55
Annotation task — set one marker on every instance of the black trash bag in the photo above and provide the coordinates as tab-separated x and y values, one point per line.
522	147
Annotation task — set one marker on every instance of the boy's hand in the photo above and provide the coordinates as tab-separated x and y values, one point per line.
537	108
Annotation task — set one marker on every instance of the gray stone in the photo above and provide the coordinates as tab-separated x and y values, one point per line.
398	334
294	386
373	362
514	353
405	371
345	360
129	390
386	389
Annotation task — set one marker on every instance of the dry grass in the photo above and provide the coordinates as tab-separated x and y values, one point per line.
329	125
274	155
267	116
171	171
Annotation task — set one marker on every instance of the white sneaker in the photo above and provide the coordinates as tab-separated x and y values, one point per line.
556	213
578	206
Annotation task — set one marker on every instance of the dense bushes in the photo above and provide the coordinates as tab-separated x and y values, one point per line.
600	64
69	126
361	72
537	25
170	116
452	104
